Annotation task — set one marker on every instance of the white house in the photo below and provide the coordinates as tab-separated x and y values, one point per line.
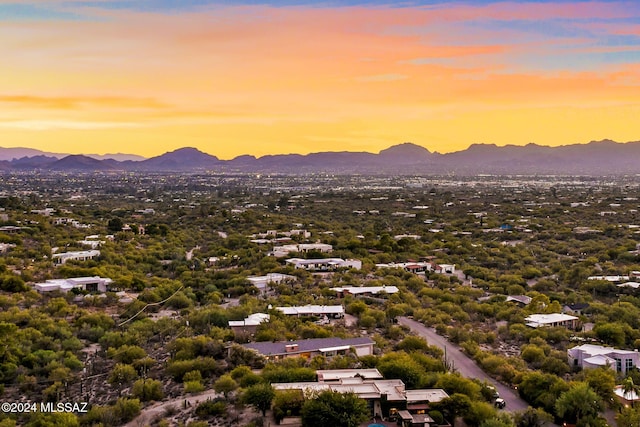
250	324
262	282
284	250
333	311
364	290
551	320
63	257
595	356
411	267
324	264
444	268
90	284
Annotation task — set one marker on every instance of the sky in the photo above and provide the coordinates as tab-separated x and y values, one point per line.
299	76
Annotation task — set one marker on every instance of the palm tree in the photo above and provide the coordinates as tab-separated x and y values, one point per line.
630	390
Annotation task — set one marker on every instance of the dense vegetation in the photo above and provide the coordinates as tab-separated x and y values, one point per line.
181	247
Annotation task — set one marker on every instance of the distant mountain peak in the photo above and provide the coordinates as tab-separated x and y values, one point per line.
405	149
181	159
80	162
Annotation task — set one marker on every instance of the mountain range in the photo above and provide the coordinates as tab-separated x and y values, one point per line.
604	157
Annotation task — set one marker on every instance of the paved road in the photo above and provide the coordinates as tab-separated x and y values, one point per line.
464	364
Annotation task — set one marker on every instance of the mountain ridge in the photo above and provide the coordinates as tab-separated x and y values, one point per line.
603	157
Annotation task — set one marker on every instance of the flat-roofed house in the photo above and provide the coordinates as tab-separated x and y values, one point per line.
330	311
365	290
89	284
324	264
381	395
63	257
337	375
551	320
329	347
263	282
589	356
250	324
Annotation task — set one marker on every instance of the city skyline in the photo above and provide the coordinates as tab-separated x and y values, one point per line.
300	76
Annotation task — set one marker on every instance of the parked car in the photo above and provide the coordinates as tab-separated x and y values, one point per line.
500	403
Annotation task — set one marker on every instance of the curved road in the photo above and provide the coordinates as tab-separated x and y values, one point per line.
464	364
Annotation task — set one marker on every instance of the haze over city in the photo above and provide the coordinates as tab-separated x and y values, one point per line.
247	77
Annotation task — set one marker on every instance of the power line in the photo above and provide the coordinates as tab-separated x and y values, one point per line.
149	305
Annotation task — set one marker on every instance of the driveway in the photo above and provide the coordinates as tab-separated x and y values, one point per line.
463	364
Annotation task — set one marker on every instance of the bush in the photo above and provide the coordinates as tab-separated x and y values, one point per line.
211	408
147	390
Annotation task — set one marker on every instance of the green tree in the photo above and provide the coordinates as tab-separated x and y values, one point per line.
331	408
532	417
628	417
453	406
287	403
259	396
401	366
578	402
147	389
541	389
602	381
114	225
57	419
225	385
630	388
122	374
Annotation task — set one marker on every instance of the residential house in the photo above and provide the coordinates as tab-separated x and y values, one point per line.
263	282
411	267
384	397
551	320
329	311
89	284
613	279
337	375
365	290
589	356
519	299
631	285
444	268
281	251
362	346
63	257
324	264
576	309
248	325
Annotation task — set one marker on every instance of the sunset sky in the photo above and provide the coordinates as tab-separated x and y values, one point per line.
272	77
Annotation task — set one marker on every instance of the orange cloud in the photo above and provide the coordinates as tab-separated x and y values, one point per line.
263	80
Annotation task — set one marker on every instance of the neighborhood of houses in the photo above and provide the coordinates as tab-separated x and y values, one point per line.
386	398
